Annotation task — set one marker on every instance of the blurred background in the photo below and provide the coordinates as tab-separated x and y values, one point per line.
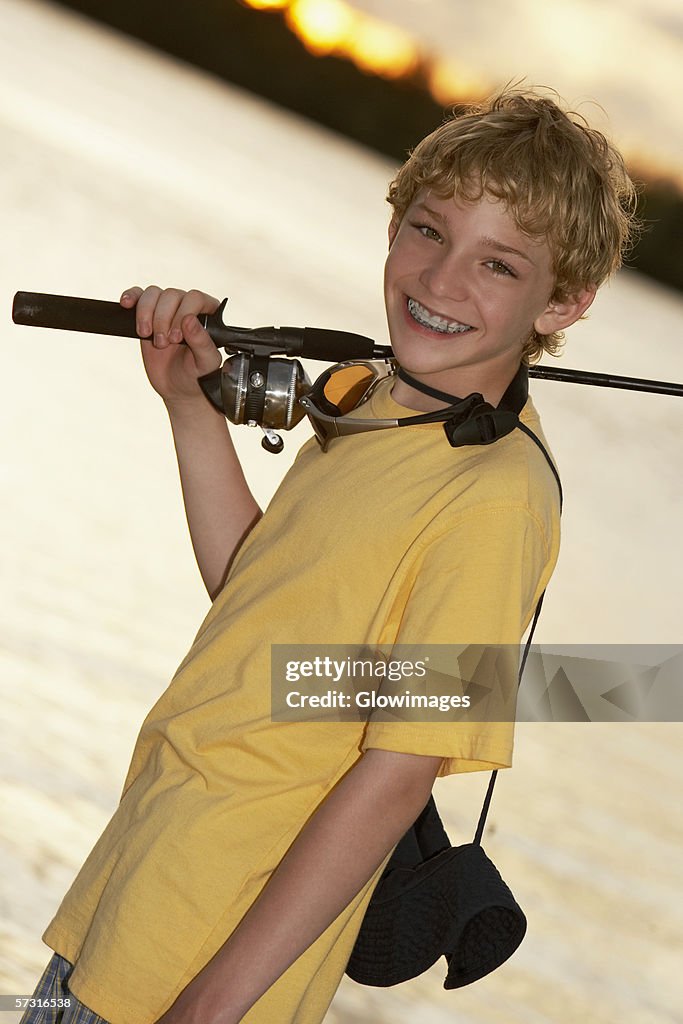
245	148
383	71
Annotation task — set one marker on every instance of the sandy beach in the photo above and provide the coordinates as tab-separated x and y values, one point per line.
108	179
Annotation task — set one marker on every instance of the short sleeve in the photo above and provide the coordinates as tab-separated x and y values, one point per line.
475	584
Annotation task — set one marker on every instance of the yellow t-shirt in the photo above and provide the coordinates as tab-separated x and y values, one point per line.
389	537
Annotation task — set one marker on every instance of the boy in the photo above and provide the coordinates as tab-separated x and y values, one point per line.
232	880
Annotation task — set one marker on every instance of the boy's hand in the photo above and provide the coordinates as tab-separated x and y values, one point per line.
170	316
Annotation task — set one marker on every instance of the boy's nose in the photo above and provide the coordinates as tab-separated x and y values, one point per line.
445	278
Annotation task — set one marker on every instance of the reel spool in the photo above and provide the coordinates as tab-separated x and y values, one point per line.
259	390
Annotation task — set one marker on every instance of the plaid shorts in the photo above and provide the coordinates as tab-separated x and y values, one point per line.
53	990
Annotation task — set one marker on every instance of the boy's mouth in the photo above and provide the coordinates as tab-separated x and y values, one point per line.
434	321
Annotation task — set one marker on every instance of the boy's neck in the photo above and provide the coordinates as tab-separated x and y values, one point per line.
491	387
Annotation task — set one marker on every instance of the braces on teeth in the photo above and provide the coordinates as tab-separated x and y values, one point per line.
435	322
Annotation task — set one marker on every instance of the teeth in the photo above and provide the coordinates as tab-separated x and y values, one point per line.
434	321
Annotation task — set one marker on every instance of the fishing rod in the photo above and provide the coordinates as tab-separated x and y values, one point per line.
254	388
605	380
93	316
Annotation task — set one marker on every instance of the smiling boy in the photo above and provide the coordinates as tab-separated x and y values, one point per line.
463	284
232	880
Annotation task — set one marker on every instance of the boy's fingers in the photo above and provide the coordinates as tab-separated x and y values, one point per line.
130	296
193	303
206	355
165	310
145	309
159	313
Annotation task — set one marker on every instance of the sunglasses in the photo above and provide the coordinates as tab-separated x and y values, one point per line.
346	386
339	391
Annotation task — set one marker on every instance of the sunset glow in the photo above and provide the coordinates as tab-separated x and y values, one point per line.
324	26
449	81
333	27
337	28
383	49
267	5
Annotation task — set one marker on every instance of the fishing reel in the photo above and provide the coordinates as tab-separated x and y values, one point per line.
259	390
256	388
252	386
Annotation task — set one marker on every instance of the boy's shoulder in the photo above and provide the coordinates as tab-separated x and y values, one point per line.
414	473
505	484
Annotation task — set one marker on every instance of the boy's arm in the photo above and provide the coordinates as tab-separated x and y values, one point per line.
220	507
333	857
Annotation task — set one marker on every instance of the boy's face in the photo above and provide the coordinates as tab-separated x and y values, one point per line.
463	289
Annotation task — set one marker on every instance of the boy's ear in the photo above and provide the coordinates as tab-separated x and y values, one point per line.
564	313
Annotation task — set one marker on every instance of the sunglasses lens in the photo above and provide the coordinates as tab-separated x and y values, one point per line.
346	387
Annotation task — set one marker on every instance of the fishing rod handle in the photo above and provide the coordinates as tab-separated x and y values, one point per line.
70	313
93	316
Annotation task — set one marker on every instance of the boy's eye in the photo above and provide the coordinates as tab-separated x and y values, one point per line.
428	231
500	268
